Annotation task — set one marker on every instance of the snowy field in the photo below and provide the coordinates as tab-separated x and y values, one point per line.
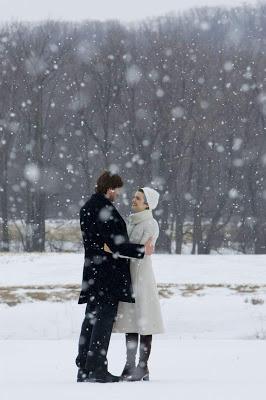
214	347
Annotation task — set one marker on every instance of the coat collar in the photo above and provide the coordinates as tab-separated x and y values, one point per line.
138	217
101	197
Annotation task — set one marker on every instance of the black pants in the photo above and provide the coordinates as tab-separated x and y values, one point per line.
95	336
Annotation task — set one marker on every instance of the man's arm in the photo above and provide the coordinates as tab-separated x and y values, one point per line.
117	242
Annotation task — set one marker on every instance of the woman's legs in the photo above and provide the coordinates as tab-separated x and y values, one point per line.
144	350
132	347
141	372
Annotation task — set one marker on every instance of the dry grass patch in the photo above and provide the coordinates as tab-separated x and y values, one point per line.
15	295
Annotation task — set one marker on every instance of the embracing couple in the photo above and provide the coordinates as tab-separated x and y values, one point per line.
118	283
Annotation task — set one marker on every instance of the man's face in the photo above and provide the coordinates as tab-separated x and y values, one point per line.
112	194
138	202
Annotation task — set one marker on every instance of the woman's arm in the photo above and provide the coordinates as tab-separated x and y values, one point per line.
151	229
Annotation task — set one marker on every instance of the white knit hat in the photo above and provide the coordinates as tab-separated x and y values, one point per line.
152	197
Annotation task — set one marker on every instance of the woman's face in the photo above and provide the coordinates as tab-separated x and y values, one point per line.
138	202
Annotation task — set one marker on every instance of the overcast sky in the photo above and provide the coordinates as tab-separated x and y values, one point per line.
124	10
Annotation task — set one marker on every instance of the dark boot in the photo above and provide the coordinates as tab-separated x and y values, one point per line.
100	377
83	375
103	377
141	372
128	371
97	371
132	346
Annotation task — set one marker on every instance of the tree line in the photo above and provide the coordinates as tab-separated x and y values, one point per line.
177	102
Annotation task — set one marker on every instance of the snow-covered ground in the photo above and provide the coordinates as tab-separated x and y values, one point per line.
214	315
65	268
185	370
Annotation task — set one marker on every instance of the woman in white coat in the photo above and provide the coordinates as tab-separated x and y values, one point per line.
140	320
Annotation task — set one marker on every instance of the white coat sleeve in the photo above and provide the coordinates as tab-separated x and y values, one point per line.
151	229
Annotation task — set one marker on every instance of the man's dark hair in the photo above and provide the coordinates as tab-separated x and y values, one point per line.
108	181
145	200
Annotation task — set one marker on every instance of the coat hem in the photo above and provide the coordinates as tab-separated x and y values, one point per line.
157	332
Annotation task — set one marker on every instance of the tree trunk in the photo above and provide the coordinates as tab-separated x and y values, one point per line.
179	223
163	244
197	247
260	239
4	205
35	223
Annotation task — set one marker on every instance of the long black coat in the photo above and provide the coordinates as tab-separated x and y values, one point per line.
106	277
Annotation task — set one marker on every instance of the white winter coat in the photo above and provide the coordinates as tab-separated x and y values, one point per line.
144	316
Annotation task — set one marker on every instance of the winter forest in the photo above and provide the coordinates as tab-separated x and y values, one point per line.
176	102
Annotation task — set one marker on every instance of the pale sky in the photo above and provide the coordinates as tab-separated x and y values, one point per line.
124	10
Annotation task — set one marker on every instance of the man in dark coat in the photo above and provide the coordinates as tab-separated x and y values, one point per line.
106	276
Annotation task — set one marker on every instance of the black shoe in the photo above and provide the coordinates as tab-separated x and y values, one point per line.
83	375
105	377
139	374
96	376
127	371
